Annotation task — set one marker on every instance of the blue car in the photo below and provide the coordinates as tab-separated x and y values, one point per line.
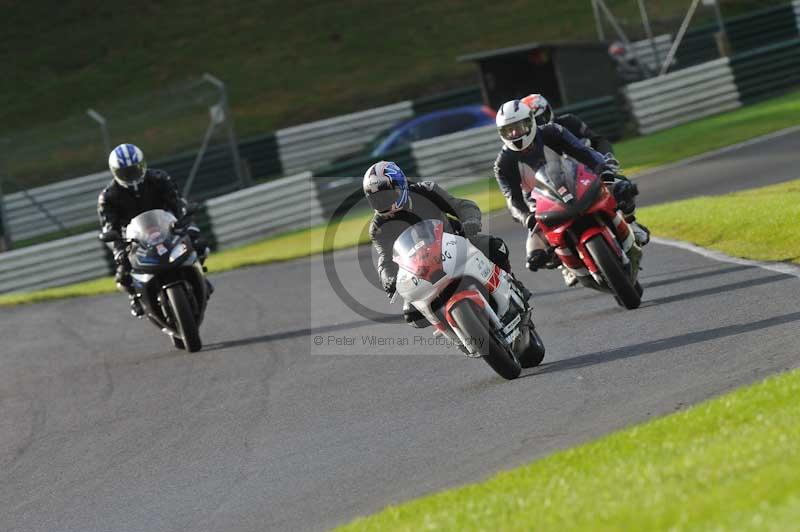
432	125
426	126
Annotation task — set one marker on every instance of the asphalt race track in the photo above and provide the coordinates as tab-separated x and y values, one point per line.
104	427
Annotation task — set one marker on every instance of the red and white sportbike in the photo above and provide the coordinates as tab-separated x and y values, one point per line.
467	298
578	215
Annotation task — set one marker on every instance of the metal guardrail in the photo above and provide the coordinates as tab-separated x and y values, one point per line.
315	144
767	71
644	50
605	115
256	212
686	95
73	203
762	27
458	158
67	260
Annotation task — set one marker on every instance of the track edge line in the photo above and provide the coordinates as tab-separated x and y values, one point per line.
780	267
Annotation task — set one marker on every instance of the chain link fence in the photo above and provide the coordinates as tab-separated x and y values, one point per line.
186	130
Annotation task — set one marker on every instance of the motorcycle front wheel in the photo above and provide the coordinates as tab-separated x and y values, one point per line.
475	325
613	272
534	353
184	317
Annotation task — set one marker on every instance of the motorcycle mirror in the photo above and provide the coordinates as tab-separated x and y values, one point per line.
109	236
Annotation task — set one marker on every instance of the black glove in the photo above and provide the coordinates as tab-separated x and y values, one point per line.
121	257
625	191
530	221
612	163
471	228
537	259
414	317
389	285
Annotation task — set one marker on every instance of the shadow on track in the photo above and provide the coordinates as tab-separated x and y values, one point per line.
712	273
664	282
717	289
654	346
298	333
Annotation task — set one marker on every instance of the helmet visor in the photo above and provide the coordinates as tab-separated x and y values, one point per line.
516	130
130	175
545	117
383	200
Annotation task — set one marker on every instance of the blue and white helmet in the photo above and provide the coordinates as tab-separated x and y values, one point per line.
127	165
385	187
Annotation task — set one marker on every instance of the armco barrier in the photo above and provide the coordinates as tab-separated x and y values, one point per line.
260	156
686	95
68	260
605	115
309	146
73	203
760	28
796	6
767	71
336	183
255	212
455	98
643	50
698	46
459	157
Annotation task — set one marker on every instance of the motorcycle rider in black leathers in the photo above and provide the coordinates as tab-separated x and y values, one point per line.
543	114
134	190
400	203
524	152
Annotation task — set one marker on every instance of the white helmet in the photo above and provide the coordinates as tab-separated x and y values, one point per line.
542	112
127	165
515	125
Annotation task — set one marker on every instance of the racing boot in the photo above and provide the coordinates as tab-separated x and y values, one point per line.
137	310
523	290
570	279
640	232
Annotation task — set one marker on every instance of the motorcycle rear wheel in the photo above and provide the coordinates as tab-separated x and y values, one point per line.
184	318
473	322
613	272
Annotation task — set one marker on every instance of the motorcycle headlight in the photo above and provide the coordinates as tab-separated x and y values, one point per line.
177	252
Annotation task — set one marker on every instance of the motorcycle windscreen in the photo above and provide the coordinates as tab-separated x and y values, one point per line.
151	227
418	250
570	188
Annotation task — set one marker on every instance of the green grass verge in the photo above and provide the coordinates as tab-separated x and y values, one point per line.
710	133
759	224
638	154
728	464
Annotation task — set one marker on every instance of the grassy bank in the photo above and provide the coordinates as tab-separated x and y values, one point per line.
728	464
759	224
638	154
283	63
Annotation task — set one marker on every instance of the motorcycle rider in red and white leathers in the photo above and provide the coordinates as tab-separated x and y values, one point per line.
524	152
399	203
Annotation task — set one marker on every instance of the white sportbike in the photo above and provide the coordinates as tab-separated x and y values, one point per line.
467	298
